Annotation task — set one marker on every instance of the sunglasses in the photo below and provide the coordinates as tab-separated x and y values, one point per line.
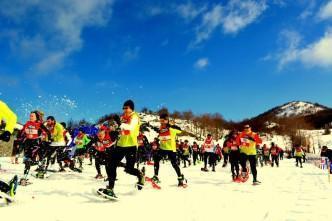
125	108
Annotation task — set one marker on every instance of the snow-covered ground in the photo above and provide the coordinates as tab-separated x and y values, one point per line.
286	193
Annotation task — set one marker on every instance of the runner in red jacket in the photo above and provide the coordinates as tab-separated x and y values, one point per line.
32	131
274	151
102	145
234	155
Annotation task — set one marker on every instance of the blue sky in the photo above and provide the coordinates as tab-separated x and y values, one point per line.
82	59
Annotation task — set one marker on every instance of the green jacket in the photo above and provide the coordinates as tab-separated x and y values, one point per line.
81	142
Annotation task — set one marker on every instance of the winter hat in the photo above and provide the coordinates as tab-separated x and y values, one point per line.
163	116
50	118
64	125
129	103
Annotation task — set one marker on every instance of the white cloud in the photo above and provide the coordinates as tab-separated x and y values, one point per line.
242	13
291	40
231	18
155	10
202	63
57	26
325	11
267	57
316	54
189	11
53	60
309	10
132	53
281	3
210	21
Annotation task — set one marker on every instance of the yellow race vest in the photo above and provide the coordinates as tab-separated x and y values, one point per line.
129	138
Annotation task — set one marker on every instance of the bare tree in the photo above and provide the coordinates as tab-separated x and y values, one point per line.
176	115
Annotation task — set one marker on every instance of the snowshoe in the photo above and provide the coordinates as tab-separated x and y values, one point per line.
256	182
107	193
24	182
62	170
141	181
204	169
41	175
7	198
182	181
155	179
13	186
236	178
99	176
153	183
75	169
245	175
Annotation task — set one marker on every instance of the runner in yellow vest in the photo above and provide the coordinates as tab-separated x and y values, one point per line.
57	143
247	141
299	155
126	148
167	137
7	121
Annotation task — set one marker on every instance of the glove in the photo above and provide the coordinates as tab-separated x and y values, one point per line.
5	136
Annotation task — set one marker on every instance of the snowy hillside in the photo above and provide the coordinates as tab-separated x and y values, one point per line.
298	108
286	193
153	121
317	138
282	141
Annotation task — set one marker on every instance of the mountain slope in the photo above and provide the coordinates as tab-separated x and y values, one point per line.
313	115
299	108
295	109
